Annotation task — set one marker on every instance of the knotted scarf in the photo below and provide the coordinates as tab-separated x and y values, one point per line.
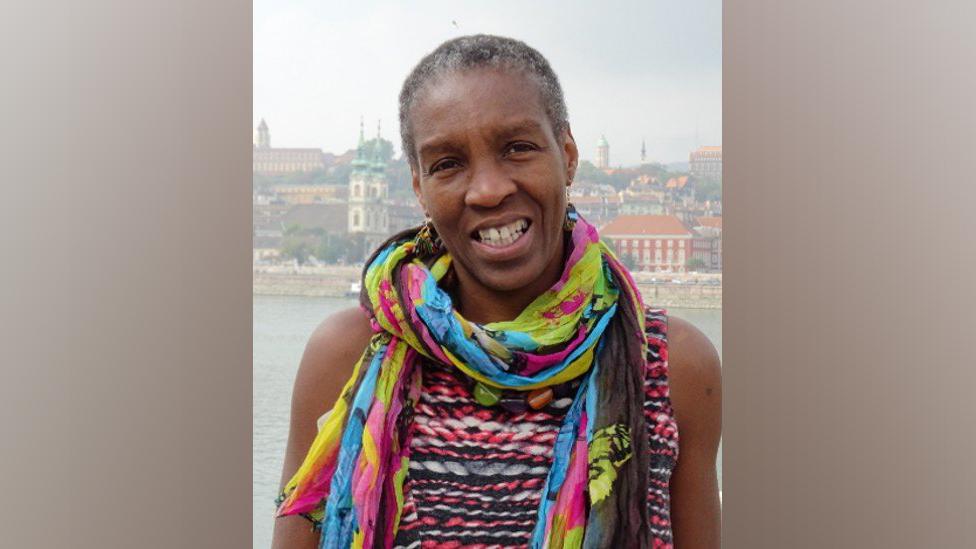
588	325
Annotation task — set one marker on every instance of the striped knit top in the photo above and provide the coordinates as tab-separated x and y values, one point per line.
476	473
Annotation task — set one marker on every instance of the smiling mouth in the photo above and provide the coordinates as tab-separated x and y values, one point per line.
504	235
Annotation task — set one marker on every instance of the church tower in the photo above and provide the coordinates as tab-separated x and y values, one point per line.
603	153
262	137
643	152
358	181
368	193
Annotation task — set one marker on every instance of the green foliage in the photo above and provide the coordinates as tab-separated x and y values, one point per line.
400	178
708	189
695	264
297	248
587	172
301	243
385	149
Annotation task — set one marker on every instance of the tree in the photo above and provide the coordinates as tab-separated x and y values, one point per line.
331	248
586	171
385	149
709	189
296	248
695	264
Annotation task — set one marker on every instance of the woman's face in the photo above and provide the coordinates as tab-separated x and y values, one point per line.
492	176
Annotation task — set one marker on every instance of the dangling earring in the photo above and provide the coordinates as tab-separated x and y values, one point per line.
571	215
427	243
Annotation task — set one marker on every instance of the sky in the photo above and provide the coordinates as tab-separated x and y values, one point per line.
634	70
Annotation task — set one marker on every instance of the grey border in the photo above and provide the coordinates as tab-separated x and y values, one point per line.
849	266
126	308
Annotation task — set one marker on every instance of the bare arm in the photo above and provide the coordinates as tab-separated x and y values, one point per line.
696	395
328	361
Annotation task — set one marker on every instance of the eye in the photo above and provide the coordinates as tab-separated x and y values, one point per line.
445	164
519	147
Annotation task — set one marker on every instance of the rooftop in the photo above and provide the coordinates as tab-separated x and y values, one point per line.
645	225
714	222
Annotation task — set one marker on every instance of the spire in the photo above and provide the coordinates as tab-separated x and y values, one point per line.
360	161
378	164
643	152
262	137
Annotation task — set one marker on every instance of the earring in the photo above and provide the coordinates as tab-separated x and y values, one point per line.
571	215
427	243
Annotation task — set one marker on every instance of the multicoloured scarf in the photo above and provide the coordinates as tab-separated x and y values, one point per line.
589	325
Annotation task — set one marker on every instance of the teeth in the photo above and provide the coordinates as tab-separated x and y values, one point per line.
505	235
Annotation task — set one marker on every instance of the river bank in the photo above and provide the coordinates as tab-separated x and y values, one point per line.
663	290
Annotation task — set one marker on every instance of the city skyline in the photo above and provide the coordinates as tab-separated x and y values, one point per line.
642	74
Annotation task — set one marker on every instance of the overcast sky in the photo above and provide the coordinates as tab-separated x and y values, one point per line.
630	70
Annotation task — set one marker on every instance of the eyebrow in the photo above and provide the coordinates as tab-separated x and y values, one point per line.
522	126
443	143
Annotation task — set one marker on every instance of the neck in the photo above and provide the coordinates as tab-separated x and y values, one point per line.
482	305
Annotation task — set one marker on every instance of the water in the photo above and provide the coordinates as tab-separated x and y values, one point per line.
282	325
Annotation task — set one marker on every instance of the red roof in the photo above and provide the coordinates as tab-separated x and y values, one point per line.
710	221
677	182
644	225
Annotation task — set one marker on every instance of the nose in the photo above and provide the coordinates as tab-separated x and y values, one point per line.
489	185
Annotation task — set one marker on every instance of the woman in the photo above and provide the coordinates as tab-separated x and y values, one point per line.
514	389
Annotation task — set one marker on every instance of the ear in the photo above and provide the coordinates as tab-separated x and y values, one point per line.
571	152
415	181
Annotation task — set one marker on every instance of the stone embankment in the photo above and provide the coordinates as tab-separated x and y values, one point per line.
693	291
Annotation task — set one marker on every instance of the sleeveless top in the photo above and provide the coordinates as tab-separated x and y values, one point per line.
476	473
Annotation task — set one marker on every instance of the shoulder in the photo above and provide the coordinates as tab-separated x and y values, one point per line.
330	356
691	356
695	378
341	333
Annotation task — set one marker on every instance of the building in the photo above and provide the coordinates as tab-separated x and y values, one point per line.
270	161
267	225
681	191
707	245
368	196
642	203
706	162
650	242
602	153
403	214
597	209
309	194
709	224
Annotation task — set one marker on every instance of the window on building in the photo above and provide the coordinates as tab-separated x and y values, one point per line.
657	243
681	243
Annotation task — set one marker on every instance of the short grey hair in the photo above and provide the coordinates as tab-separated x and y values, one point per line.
474	52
